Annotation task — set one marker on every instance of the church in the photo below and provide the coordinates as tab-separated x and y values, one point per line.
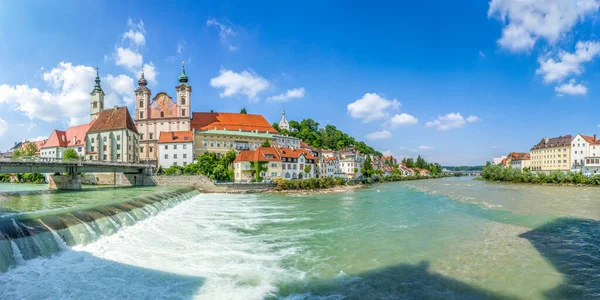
161	114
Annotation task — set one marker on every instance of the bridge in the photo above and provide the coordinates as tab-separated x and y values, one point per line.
462	173
72	168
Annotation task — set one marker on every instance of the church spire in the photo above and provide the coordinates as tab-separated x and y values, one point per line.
142	81
97	86
183	78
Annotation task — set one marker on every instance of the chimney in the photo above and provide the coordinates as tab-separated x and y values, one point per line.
172	135
594	137
74	140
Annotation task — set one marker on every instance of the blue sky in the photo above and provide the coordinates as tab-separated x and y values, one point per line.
455	81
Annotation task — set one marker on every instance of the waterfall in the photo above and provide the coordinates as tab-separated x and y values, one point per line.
24	237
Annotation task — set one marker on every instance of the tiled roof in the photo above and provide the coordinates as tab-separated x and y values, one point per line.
230	121
518	156
260	154
176	137
294	153
589	139
560	141
112	119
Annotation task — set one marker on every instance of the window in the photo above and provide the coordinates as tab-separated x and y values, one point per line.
141	149
118	156
182	100
104	139
92	149
104	147
150	135
166	156
118	146
273	174
175	163
183	112
118	137
141	136
162	114
204	143
141	103
212	144
150	149
80	149
175	147
166	147
95	104
92	140
141	114
230	144
184	155
104	157
184	164
274	165
184	146
174	156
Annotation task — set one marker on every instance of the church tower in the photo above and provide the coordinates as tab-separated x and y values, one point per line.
283	124
142	99
97	100
184	91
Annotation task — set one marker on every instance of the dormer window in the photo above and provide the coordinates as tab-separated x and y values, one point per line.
162	114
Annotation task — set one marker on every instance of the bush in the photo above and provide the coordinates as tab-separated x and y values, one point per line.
498	173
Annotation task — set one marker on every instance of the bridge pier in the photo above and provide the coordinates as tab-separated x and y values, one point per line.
70	182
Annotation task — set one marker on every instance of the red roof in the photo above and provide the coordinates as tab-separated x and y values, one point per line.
176	137
230	121
518	156
260	154
294	153
112	119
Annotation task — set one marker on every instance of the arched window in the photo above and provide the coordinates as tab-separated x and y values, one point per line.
141	114
141	136
150	135
182	100
141	103
183	112
287	175
162	114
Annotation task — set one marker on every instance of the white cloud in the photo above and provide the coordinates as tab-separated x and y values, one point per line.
121	89
450	121
226	32
473	119
246	83
180	48
150	73
290	94
568	63
425	148
401	120
379	135
571	88
136	37
527	21
128	58
372	107
481	54
68	98
3	127
139	26
388	153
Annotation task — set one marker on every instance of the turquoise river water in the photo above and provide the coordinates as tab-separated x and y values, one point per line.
451	238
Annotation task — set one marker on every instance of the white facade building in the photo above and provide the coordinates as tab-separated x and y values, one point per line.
591	166
175	148
351	160
283	124
498	160
583	146
284	141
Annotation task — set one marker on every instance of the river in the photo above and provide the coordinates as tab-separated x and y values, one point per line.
451	238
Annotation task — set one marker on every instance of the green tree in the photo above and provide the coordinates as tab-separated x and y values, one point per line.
307	169
367	169
421	163
355	170
70	154
276	126
243	111
266	144
27	150
257	168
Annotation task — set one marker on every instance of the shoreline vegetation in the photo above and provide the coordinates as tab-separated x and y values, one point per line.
328	185
495	173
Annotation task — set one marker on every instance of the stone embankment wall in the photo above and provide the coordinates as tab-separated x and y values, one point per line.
199	181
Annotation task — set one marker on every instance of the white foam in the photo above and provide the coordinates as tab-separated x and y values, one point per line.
194	249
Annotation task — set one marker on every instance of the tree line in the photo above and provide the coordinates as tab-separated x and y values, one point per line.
421	163
498	173
329	137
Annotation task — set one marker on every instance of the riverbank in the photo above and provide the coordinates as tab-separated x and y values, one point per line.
494	173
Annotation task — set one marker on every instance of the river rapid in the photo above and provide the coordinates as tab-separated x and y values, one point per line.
451	238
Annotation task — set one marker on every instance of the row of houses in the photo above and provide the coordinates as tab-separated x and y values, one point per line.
580	153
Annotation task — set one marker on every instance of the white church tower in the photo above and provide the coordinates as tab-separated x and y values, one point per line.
97	101
283	124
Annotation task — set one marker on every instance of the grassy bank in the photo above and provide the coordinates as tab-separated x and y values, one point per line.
22	178
500	174
328	183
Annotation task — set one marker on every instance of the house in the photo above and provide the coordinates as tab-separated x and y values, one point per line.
176	148
591	166
405	171
285	141
222	132
351	161
59	141
295	162
329	166
518	160
552	154
498	160
244	168
113	136
582	147
421	172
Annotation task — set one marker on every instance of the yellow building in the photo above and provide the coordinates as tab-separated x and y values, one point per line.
267	156
551	154
221	132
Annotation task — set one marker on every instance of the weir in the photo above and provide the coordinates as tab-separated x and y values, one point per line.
28	236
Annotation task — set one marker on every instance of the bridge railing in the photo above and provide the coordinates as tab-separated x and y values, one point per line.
70	161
